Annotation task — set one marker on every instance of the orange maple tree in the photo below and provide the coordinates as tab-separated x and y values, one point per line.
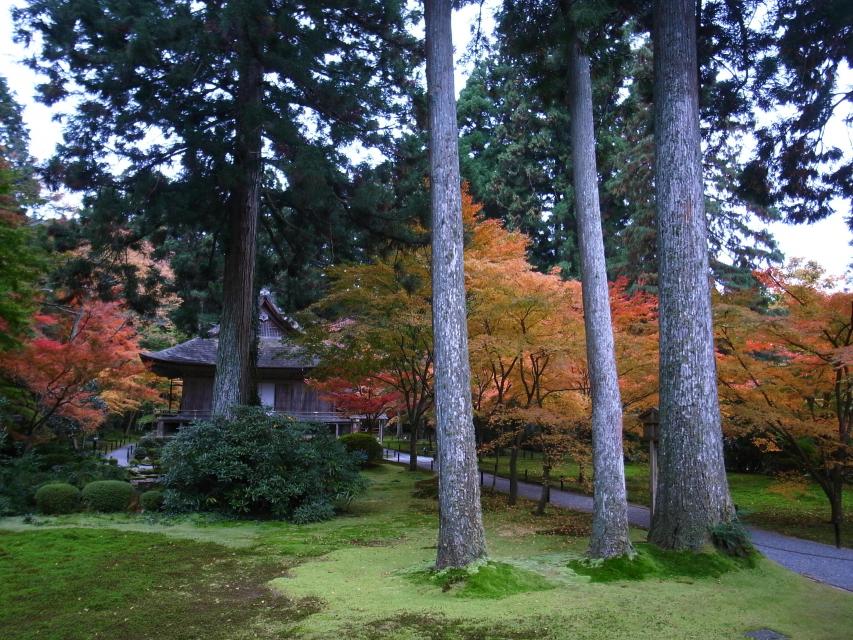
82	364
375	325
526	348
784	372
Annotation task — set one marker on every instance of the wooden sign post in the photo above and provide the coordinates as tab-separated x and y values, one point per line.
651	428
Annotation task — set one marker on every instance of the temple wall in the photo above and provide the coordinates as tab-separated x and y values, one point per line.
285	396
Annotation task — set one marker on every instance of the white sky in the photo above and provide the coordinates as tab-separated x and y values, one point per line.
826	242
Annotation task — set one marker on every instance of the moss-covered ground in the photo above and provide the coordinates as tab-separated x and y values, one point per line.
367	575
794	507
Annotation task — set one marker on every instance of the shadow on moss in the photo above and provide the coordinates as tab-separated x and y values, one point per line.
651	562
439	627
485	580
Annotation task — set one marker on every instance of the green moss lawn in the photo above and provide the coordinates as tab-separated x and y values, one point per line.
793	507
366	575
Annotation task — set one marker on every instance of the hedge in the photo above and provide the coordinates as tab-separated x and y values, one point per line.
107	495
58	497
151	500
364	444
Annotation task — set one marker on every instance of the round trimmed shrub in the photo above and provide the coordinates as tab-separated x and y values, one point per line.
108	496
151	500
58	497
364	444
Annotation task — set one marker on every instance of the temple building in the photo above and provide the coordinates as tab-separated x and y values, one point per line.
282	369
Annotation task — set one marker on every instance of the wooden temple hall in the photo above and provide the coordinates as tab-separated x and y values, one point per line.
282	368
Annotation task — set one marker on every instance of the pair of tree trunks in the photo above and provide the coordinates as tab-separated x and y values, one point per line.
610	536
693	491
461	539
235	358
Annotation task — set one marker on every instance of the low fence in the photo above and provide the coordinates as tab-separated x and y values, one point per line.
393	455
104	447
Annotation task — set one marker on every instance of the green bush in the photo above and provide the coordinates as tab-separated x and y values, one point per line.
732	539
140	453
58	497
108	496
22	475
152	444
48	461
258	465
151	500
366	445
313	512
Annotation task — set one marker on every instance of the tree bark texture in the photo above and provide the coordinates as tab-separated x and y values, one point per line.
234	382
693	493
610	507
461	539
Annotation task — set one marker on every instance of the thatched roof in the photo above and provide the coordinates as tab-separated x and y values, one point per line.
273	353
275	350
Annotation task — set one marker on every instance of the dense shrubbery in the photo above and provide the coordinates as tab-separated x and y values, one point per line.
151	447
58	497
258	465
151	500
364	444
107	496
21	476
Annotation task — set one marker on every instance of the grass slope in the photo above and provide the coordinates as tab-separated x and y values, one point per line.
366	576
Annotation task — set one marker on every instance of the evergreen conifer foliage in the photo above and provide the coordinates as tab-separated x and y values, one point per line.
195	118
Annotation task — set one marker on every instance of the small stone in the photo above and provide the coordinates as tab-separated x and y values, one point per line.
765	634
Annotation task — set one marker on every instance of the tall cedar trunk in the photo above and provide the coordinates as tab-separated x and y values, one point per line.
460	535
235	358
693	493
513	476
610	504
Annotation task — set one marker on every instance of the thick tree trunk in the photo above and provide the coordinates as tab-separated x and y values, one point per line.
413	444
545	494
693	493
513	476
460	535
497	466
610	502
836	502
234	383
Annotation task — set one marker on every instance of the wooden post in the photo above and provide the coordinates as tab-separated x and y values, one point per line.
651	425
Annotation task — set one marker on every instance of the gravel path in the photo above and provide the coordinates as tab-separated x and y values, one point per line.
821	562
122	455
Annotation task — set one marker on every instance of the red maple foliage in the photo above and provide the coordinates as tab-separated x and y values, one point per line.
82	364
368	397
